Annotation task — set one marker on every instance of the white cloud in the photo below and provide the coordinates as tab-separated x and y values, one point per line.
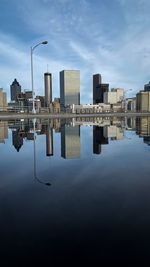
82	35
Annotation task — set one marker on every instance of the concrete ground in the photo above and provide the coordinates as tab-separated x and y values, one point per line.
10	115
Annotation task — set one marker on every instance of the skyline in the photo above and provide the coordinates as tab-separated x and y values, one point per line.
104	37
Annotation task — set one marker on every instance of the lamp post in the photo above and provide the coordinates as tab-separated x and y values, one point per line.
32	81
125	98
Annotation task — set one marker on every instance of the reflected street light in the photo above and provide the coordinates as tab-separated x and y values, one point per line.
125	98
32	82
35	172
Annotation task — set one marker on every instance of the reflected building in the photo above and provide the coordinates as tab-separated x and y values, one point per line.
98	139
17	140
143	126
3	131
143	129
130	123
114	132
49	141
146	140
70	142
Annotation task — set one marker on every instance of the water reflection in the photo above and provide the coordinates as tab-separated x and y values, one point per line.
70	141
100	194
104	130
3	131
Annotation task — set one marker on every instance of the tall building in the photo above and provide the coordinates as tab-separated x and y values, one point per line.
147	87
15	90
97	79
70	141
115	96
99	89
143	101
69	88
3	100
48	88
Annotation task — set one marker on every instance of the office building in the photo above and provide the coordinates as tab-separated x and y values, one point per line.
131	104
69	88
28	94
147	87
97	79
119	94
56	105
15	90
48	88
115	96
3	100
143	101
70	141
99	89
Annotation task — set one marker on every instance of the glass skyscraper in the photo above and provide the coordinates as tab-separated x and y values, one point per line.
69	88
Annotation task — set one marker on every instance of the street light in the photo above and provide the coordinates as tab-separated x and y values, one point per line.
125	98
32	82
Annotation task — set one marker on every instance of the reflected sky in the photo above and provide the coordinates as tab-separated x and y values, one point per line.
89	197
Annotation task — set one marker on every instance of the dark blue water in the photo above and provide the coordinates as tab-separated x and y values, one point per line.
75	192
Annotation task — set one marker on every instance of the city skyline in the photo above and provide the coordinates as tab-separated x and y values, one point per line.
95	37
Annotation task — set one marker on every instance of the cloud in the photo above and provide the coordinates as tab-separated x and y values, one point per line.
107	37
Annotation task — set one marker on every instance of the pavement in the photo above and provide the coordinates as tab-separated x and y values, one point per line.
10	115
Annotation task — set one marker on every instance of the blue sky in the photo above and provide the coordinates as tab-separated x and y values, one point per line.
111	37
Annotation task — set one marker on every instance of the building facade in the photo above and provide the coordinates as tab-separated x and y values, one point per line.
69	88
116	95
97	80
147	87
3	100
15	90
48	88
143	101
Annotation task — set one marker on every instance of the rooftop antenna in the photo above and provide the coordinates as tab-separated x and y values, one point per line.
47	68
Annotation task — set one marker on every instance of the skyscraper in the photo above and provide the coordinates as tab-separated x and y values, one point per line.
48	88
99	89
69	88
15	90
97	79
147	87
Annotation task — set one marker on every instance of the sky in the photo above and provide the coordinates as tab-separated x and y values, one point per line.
110	37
